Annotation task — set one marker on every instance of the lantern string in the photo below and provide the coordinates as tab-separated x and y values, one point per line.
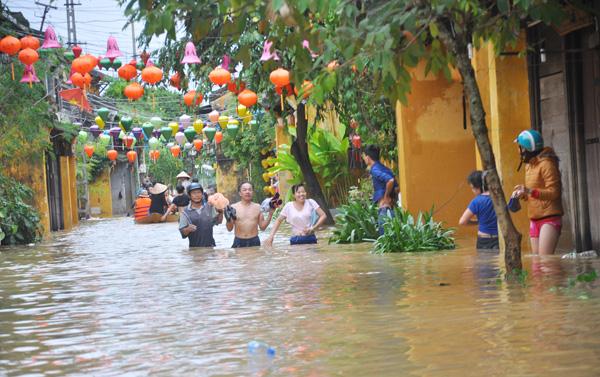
12	68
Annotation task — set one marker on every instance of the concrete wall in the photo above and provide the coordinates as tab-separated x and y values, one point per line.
100	196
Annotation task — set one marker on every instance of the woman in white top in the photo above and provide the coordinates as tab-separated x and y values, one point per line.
299	214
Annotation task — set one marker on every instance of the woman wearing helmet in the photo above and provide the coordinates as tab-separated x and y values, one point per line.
542	192
197	219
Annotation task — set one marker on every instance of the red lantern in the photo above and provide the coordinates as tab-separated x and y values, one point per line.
128	142
198	144
10	45
131	156
133	91
152	74
356	141
127	72
219	76
112	154
28	56
30	42
188	98
175	150
175	80
89	150
78	79
154	155
247	98
218	137
234	88
87	80
280	77
77	51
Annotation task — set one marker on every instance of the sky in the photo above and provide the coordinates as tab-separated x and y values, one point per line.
95	21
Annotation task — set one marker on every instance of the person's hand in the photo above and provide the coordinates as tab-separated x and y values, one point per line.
520	191
386	201
308	231
191	228
163	217
269	242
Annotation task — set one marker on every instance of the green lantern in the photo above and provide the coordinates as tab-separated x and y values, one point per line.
166	132
127	123
232	129
147	128
82	136
210	132
104	139
189	133
69	55
139	65
153	143
156	122
103	113
105	63
116	64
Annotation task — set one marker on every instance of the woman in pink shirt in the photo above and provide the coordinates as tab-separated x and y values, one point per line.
299	214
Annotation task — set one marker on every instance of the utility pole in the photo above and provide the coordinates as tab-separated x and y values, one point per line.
133	41
46	8
71	31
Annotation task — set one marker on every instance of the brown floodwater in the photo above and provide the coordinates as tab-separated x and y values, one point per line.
112	298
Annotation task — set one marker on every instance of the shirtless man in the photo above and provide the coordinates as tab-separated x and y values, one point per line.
248	219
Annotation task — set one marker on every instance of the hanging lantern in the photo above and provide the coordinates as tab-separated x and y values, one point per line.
127	72
69	55
185	120
198	126
223	120
190	56
103	114
180	138
156	122
99	121
166	132
29	75
198	145
89	150
128	141
50	40
127	123
247	98
188	98
82	136
280	77
31	42
116	64
356	141
219	76
131	156
353	124
210	132
154	155
175	80
77	79
77	51
112	154
153	143
105	63
232	127
147	129
187	146
82	65
241	110
175	150
213	116
10	45
95	130
152	75
138	133
112	49
218	137
174	127
104	139
235	88
190	134
247	118
133	91
307	87
115	132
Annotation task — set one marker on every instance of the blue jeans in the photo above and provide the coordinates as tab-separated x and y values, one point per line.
382	214
301	240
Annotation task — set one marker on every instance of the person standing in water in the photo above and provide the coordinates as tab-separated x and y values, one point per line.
178	203
542	191
482	207
385	186
197	219
247	218
304	215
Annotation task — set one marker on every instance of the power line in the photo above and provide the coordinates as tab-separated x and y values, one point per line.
46	8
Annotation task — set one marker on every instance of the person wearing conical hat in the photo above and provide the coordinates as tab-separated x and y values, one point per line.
159	198
184	179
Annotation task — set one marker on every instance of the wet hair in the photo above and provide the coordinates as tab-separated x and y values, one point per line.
372	151
296	187
180	189
243	183
477	180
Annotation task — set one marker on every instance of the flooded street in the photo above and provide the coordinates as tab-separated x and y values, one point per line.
112	298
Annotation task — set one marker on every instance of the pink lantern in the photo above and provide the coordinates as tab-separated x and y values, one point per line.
50	40
29	75
213	116
112	49
190	55
267	54
225	62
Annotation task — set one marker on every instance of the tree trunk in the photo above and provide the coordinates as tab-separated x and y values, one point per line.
512	238
299	149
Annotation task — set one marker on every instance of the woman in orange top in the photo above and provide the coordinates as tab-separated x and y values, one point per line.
142	205
542	192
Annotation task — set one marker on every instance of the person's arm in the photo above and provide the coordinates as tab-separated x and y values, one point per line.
264	223
185	227
466	218
219	219
320	221
171	208
269	241
389	189
551	176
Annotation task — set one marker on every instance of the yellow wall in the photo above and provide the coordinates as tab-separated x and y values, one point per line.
504	87
68	178
33	174
435	153
227	180
100	196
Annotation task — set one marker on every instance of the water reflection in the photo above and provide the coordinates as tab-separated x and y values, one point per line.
113	298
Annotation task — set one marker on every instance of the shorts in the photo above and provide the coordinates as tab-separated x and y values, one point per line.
536	225
246	242
488	243
302	240
382	214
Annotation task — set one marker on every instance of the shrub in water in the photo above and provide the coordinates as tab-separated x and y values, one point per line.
357	222
19	222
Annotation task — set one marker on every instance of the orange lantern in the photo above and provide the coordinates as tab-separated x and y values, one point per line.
152	74
133	91
89	150
127	72
82	65
234	88
198	144
175	80
112	154
131	156
78	79
175	150
28	56
219	76
306	89
10	45
247	98
188	98
154	155
30	42
218	137
87	79
280	77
